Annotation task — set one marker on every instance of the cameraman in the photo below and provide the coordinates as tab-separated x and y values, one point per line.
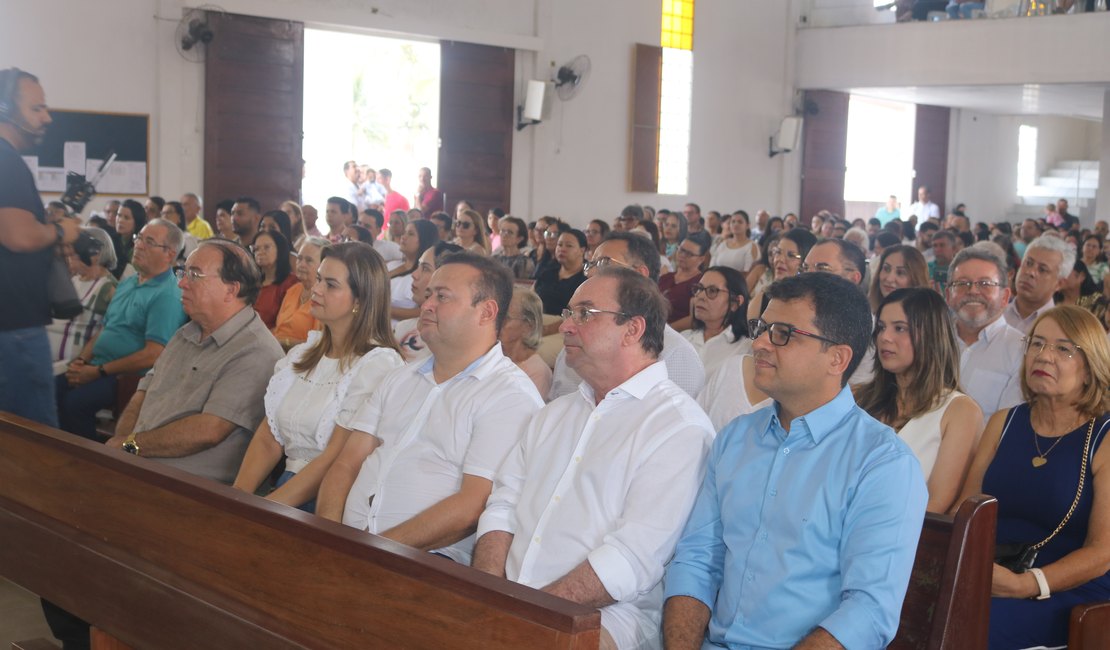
27	244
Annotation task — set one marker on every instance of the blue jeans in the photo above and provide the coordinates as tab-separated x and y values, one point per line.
26	375
310	506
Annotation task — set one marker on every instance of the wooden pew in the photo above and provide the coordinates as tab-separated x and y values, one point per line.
1089	627
156	558
948	603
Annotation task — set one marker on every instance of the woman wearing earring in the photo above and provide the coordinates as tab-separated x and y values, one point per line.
1045	463
334	371
294	319
915	390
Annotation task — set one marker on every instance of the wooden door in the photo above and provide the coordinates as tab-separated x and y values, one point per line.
824	151
254	105
930	153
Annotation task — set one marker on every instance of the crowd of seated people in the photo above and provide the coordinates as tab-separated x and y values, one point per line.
402	385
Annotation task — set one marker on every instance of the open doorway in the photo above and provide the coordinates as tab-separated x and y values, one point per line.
370	99
879	155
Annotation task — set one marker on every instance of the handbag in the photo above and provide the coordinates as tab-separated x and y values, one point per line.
1019	557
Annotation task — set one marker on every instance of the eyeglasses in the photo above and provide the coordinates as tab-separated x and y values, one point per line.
463	225
602	262
778	252
965	285
780	333
192	274
711	292
149	242
824	267
550	235
685	252
1034	345
504	232
627	217
582	315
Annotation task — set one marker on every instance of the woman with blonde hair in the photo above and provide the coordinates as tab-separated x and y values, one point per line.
521	336
916	390
899	267
1044	462
333	372
296	222
470	233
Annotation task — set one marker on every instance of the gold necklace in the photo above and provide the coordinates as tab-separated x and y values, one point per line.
1040	460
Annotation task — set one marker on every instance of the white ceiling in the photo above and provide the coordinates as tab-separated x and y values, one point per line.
1068	100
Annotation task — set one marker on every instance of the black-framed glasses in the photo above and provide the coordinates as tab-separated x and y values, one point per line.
582	315
192	274
464	225
602	262
148	241
1036	344
780	333
711	292
965	285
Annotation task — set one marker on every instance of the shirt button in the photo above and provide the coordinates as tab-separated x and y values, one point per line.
578	459
786	450
774	493
536	539
763	536
750	577
557	499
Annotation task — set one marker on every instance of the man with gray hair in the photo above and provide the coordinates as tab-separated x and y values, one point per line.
194	222
991	352
1047	262
141	319
198	407
590	504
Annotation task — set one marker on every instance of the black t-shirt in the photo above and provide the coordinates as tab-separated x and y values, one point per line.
23	298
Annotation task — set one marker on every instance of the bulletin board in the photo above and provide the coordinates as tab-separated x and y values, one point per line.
79	141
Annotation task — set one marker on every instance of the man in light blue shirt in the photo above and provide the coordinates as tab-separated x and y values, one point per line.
806	526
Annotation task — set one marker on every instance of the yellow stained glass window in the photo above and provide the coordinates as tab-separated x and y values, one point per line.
678	24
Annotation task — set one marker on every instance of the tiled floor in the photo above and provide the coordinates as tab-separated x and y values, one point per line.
20	615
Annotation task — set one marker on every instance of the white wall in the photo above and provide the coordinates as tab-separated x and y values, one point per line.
1071	49
574	165
982	156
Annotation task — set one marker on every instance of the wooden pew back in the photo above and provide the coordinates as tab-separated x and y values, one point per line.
948	603
158	558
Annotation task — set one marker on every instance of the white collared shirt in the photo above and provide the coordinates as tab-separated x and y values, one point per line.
922	210
390	251
990	368
683	367
612	484
1023	325
431	434
718	348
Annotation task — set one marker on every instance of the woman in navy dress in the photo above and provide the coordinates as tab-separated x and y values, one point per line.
1032	459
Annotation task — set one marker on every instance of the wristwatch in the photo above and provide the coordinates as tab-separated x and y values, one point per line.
101	370
130	446
61	233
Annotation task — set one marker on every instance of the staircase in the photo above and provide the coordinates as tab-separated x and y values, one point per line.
1074	180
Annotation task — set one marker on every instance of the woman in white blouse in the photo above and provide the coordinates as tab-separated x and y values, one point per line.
915	390
719	328
333	372
737	250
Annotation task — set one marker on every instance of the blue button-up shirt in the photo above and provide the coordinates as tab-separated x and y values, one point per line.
817	526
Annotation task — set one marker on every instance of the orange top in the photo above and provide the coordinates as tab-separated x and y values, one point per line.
294	321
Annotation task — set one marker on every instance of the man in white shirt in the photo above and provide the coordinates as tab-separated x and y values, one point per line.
373	220
590	504
423	451
352	189
991	352
1048	261
923	207
632	251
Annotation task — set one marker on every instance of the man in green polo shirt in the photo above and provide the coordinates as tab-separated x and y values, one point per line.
142	317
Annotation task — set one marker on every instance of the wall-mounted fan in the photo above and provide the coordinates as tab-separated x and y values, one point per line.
570	77
193	33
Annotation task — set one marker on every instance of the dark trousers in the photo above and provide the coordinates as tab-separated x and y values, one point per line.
77	406
921	8
67	628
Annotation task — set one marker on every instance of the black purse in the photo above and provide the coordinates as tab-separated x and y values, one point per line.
1018	557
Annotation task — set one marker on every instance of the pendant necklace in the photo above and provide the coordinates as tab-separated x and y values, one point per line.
1042	458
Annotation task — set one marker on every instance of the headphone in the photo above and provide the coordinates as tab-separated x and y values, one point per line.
9	83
